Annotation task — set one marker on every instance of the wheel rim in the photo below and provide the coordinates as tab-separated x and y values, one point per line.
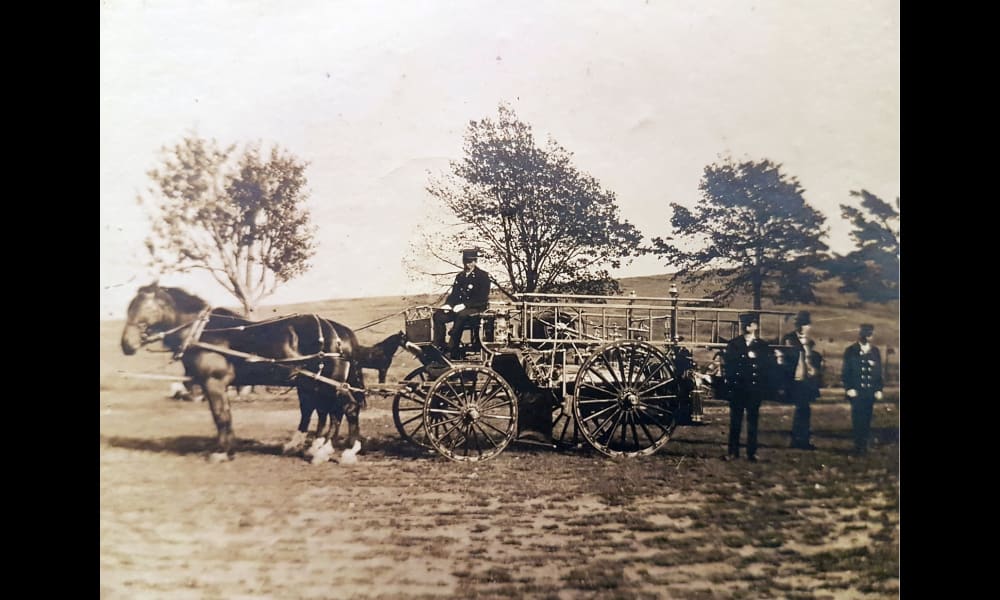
408	409
470	414
624	399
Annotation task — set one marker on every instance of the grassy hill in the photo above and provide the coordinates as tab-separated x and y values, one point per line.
835	322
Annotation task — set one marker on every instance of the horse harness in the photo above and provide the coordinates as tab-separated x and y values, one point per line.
193	340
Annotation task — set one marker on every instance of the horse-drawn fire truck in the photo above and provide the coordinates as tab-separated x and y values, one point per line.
615	372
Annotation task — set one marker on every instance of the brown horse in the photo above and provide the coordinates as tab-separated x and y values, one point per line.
219	348
379	357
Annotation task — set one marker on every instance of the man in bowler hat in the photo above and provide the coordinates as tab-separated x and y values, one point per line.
747	362
862	378
469	296
802	366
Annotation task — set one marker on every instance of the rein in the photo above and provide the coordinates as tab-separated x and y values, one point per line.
379	320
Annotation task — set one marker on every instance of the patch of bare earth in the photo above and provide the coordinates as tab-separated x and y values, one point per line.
532	523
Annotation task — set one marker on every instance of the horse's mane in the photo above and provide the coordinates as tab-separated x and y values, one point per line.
380	352
183	301
186	302
390	342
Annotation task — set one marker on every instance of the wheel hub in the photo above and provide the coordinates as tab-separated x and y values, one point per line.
629	399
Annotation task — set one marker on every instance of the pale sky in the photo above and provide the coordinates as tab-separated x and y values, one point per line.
374	94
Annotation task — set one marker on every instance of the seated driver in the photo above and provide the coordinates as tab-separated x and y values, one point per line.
469	296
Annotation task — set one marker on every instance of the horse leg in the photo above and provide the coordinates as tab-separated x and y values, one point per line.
218	402
381	375
299	436
336	416
352	406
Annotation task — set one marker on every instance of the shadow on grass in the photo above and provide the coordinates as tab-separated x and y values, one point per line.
883	435
188	444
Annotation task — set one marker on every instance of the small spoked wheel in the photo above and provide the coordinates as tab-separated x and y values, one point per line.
470	414
625	398
408	408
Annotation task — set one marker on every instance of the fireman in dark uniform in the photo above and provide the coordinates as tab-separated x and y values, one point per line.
802	378
747	362
469	296
862	378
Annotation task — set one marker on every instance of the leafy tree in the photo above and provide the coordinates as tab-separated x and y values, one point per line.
528	208
244	221
871	271
751	231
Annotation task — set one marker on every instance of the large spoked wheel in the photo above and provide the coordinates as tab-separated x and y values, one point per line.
470	414
408	408
625	397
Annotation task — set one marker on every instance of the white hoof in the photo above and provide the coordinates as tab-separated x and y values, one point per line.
219	457
198	398
350	455
323	454
314	447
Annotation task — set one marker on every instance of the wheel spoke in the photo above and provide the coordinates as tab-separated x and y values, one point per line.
599	401
654	374
610	431
656	421
645	430
418	417
647	390
442	426
633	361
597	414
453	402
592	370
475	438
503	415
495	428
593	387
635	432
458	439
611	370
657	408
438	424
457	394
625	419
487	435
667	397
503	400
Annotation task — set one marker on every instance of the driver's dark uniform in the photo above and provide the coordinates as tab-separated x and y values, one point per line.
471	289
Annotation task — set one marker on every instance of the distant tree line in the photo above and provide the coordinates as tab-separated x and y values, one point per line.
552	228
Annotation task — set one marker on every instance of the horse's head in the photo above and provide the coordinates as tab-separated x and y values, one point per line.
152	310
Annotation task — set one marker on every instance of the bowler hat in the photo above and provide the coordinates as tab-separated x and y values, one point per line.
802	318
470	254
866	329
747	318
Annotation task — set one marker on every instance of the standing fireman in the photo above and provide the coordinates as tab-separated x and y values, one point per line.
862	378
802	378
469	295
747	363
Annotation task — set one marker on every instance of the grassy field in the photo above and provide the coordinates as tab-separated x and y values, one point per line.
532	523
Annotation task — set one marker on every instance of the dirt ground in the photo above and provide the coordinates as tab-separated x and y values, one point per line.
532	523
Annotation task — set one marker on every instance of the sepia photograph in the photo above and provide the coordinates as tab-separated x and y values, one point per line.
560	299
